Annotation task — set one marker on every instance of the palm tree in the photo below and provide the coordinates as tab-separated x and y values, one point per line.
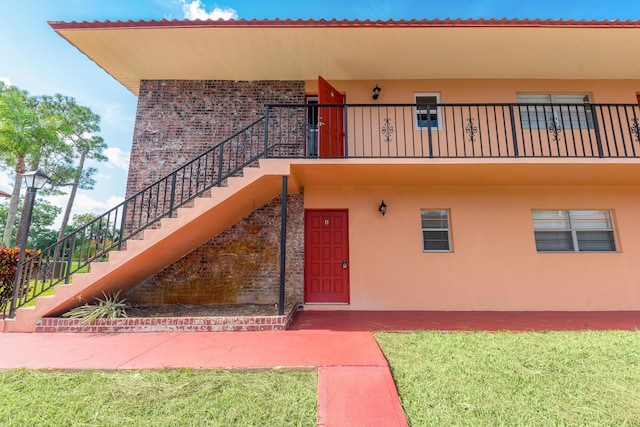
26	131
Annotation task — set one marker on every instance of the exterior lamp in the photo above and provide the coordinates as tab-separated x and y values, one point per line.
34	181
376	92
382	208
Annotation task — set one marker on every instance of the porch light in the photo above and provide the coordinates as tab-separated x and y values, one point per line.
376	92
382	208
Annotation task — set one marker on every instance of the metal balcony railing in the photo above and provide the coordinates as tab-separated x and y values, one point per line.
343	131
458	130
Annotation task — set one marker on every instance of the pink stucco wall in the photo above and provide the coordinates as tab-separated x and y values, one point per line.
482	91
494	264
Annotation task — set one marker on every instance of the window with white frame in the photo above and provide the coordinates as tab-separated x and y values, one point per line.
573	231
559	111
436	233
427	110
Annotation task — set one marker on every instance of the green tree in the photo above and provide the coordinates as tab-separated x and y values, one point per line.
41	233
81	125
28	133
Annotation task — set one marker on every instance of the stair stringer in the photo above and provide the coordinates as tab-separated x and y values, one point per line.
176	237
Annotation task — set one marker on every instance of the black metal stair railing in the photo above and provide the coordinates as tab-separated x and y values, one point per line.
55	264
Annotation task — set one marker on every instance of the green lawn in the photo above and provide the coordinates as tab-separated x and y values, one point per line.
158	398
516	379
52	288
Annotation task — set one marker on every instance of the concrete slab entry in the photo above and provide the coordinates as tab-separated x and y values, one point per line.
358	396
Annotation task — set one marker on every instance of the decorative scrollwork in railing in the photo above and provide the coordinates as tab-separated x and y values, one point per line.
387	130
635	128
471	129
555	128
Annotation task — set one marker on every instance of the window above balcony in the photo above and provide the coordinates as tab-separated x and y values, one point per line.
427	110
555	111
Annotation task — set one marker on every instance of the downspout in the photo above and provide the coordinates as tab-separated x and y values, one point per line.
283	244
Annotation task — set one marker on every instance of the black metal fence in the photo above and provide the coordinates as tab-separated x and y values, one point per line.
344	131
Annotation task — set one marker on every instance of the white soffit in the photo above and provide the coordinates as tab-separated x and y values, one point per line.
137	52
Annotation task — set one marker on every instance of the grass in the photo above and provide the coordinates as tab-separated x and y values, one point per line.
516	379
158	398
50	291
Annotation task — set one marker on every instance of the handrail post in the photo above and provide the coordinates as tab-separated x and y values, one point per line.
266	131
514	132
346	134
123	222
429	131
220	156
596	130
72	244
172	195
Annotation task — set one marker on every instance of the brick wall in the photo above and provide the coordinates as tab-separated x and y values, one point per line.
240	265
176	121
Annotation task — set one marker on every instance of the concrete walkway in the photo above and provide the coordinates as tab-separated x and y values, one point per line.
355	387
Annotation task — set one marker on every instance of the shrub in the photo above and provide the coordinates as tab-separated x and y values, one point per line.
111	307
8	266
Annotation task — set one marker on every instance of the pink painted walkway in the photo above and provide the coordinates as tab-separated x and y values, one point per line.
355	387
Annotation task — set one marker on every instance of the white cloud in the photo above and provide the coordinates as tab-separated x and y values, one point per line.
117	158
194	9
116	117
6	182
5	80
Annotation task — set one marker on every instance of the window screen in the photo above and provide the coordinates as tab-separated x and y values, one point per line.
435	230
573	231
562	111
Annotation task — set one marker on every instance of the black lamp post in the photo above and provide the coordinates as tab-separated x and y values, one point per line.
34	181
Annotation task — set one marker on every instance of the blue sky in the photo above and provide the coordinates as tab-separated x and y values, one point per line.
35	59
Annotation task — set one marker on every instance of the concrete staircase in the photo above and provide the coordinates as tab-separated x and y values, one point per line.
160	247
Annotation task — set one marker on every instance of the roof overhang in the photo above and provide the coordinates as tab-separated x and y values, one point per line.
132	51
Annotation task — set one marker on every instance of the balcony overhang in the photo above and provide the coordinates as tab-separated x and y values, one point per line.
453	172
132	51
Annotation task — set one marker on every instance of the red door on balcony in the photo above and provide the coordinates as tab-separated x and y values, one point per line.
330	121
326	256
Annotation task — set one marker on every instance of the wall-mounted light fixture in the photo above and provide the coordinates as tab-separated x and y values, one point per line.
376	92
382	208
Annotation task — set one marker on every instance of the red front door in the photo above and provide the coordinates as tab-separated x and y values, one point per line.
326	256
330	121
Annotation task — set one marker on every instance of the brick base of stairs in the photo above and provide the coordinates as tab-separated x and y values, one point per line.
169	324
